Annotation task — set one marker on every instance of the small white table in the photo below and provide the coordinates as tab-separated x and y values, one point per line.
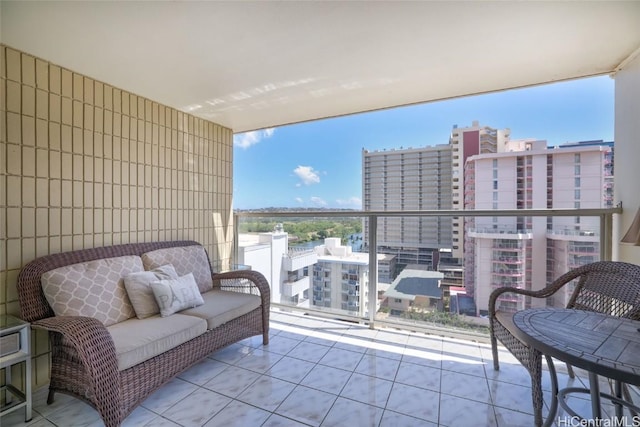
16	334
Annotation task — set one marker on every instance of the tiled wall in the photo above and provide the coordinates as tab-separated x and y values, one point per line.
84	164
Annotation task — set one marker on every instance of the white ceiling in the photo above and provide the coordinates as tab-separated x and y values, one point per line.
251	65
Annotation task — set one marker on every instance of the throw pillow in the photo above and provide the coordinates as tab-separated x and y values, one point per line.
138	287
93	289
186	259
173	295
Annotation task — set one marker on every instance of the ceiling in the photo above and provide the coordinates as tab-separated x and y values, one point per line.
253	65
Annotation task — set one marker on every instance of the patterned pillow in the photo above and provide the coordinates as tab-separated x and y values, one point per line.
93	289
185	259
176	294
138	287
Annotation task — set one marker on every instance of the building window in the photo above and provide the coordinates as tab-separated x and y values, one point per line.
576	205
577	194
397	300
495	196
495	163
495	184
577	182
576	158
577	169
495	174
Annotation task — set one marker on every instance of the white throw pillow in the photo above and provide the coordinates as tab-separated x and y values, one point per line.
173	295
138	287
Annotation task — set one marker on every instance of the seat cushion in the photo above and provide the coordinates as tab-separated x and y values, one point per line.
137	340
93	289
222	306
185	259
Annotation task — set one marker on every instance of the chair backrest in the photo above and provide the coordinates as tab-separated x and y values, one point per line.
609	287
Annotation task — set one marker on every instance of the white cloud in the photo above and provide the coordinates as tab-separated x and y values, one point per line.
355	202
307	174
247	139
318	201
299	200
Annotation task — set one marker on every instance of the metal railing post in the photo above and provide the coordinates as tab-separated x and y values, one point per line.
373	268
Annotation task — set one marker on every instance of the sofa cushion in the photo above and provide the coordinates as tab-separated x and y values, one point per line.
186	259
138	286
137	340
173	295
222	306
93	289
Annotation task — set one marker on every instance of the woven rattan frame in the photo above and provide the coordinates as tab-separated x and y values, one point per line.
83	360
605	287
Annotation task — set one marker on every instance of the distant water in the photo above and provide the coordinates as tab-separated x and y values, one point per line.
355	240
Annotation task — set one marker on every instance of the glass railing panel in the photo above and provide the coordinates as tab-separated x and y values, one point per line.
321	264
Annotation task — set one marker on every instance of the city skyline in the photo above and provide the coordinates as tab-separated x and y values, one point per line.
319	164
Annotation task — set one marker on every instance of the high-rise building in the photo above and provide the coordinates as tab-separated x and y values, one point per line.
467	142
405	180
523	251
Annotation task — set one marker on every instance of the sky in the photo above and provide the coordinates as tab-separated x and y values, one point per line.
319	164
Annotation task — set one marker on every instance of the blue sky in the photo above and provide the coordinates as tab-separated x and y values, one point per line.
318	164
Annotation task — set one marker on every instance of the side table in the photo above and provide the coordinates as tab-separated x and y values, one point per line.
15	339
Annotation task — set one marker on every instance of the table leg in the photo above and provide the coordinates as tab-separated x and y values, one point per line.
553	408
594	385
617	386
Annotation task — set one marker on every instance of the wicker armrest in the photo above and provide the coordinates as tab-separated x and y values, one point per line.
95	350
239	278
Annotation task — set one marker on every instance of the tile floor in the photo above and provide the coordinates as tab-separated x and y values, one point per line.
318	372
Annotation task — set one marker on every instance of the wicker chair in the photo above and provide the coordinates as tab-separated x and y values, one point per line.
605	287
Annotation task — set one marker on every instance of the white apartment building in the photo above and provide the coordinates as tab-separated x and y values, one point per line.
341	278
528	252
287	270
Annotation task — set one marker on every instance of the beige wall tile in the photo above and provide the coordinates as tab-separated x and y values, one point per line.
28	222
42	192
78	84
42	225
78	111
28	70
14	159
13	65
28	161
55	79
88	90
28	101
42	133
67	111
55	108
28	130
42	104
13	102
67	84
42	74
55	190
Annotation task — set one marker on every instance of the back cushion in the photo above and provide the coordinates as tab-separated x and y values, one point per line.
185	259
93	289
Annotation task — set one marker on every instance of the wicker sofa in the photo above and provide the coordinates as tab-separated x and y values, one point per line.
112	366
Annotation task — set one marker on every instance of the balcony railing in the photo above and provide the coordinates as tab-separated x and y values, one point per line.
480	276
